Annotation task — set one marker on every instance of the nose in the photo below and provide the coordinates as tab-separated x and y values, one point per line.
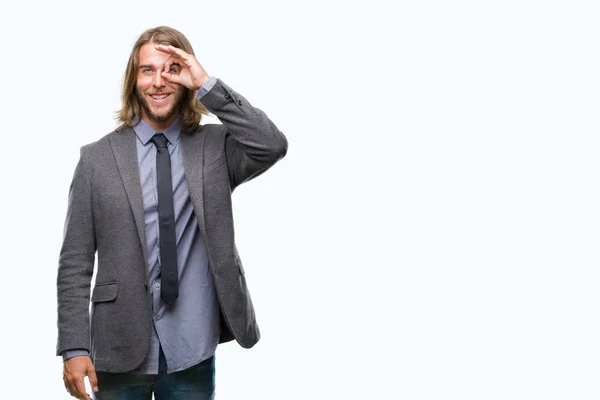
158	80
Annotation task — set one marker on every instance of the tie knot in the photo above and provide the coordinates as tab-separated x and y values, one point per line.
159	140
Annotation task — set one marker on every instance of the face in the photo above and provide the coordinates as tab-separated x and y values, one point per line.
160	100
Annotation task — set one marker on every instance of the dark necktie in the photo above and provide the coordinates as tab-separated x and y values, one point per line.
166	216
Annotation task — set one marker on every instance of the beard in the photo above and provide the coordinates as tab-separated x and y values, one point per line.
167	113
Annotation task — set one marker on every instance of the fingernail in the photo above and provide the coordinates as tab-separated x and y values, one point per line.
95	388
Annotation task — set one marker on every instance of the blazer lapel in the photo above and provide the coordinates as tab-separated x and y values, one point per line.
192	150
125	151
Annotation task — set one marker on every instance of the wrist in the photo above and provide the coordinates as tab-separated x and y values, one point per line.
201	82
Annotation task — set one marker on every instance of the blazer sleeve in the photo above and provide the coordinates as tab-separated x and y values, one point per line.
252	143
76	264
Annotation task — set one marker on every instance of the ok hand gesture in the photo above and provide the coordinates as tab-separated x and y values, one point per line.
182	68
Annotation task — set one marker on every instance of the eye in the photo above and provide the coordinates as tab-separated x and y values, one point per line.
175	68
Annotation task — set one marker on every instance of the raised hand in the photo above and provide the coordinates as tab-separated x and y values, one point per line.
182	68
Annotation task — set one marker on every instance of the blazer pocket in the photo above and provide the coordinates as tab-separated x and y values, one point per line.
104	292
215	164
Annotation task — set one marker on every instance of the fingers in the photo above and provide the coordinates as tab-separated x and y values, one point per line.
172	78
171	69
175	63
174	51
76	388
80	390
93	378
182	68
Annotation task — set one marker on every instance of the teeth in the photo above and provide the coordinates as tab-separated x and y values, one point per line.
159	96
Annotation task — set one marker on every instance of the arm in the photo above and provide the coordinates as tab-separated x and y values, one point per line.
253	142
76	265
75	270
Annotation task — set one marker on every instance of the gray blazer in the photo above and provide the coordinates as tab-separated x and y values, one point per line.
105	215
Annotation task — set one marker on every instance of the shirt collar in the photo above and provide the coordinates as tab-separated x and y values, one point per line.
145	132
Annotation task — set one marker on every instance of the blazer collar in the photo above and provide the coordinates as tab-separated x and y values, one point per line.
192	151
125	151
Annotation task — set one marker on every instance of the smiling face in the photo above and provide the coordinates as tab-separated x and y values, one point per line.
160	100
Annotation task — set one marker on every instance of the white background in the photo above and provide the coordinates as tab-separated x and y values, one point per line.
432	232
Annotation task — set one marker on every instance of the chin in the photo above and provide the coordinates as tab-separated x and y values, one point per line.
163	112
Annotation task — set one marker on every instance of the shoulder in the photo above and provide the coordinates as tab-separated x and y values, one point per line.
210	137
99	150
103	143
214	135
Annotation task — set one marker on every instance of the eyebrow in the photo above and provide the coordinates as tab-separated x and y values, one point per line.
151	66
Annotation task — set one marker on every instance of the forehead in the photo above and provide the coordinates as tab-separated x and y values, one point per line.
150	56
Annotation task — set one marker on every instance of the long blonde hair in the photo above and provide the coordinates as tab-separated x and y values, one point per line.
130	113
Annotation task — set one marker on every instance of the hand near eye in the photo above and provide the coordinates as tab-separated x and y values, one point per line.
189	73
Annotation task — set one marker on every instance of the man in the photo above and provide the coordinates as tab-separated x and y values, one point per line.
153	199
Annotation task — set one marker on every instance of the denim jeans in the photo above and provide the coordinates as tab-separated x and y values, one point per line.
194	383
